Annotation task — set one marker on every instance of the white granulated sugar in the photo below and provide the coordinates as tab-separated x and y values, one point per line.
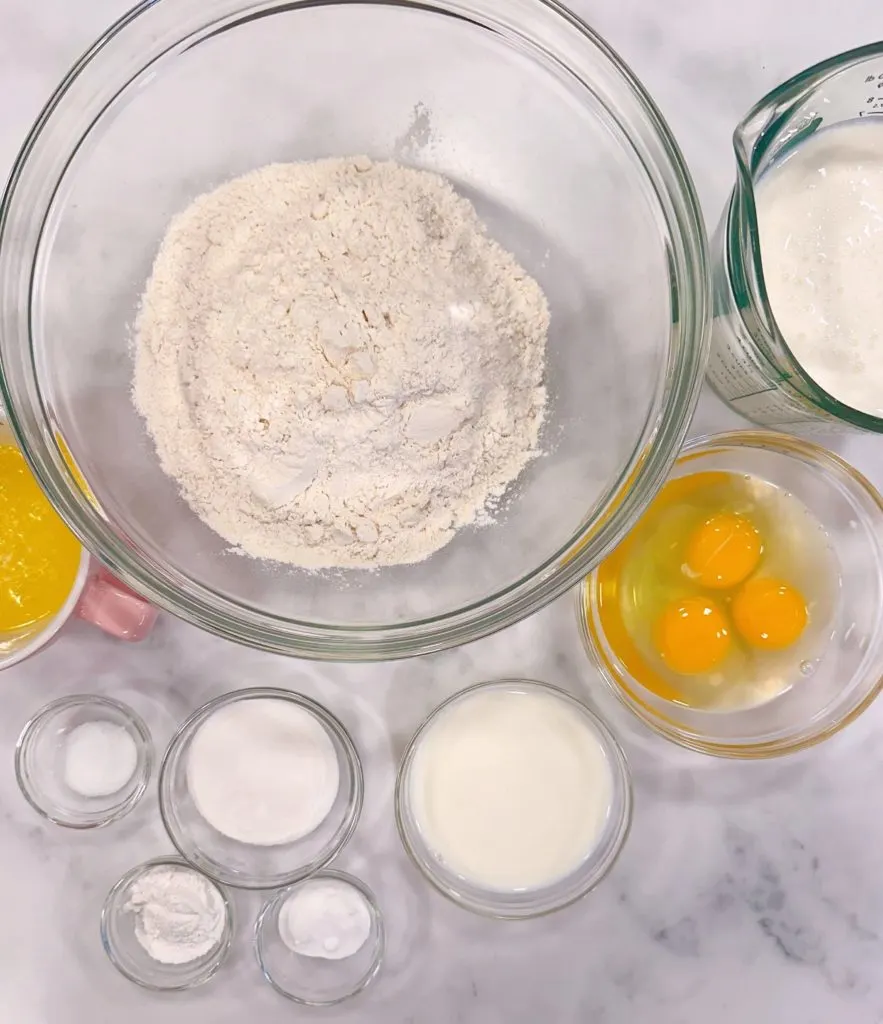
337	365
263	771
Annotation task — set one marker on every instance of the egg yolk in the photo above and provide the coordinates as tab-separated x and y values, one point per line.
692	636
769	614
723	551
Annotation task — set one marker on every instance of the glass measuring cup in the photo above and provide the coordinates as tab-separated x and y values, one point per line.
95	596
751	366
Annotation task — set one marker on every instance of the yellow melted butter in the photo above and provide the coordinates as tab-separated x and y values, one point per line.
39	556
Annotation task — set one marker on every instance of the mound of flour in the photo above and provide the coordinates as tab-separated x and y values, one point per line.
336	363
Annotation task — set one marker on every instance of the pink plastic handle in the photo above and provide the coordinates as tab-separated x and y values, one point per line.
110	605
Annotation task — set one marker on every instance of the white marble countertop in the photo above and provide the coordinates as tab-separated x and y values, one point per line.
746	892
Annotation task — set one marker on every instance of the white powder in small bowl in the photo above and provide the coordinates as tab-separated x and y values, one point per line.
263	771
99	758
179	914
325	918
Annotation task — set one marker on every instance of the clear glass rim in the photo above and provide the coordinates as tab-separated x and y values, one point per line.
268	912
488	904
143	769
109	909
348	824
621	684
752	139
653	147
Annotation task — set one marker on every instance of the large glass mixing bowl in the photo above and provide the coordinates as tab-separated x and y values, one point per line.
532	117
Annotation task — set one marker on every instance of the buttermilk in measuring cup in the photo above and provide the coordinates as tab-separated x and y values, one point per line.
820	217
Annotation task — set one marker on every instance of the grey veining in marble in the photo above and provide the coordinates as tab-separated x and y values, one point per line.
746	892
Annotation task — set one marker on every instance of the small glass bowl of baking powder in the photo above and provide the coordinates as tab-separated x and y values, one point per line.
165	926
84	761
320	941
261	788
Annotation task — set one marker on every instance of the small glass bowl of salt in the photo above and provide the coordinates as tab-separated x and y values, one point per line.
320	941
84	761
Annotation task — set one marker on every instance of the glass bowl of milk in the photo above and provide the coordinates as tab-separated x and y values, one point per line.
797	340
513	799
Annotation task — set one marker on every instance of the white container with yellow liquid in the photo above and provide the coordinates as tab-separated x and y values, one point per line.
46	575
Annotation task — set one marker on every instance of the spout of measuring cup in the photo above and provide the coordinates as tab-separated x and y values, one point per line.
825	93
748	132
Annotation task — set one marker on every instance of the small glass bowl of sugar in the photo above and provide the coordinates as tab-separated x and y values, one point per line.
260	788
321	941
84	761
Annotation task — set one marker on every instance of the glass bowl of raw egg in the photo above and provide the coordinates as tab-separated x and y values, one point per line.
743	614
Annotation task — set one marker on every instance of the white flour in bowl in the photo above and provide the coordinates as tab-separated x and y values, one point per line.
337	365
